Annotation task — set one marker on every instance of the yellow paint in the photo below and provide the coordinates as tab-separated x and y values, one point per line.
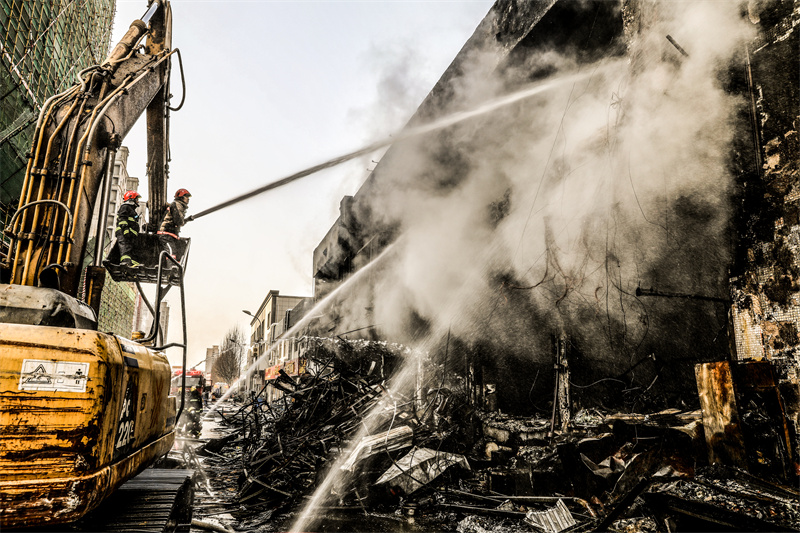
59	454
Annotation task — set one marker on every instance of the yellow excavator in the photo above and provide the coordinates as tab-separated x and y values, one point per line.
81	411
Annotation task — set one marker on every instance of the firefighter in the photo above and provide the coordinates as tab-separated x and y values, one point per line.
127	230
172	223
193	416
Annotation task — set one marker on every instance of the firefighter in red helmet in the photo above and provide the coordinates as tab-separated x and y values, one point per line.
127	230
173	221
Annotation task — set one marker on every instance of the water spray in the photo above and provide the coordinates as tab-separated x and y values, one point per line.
405	377
405	134
312	313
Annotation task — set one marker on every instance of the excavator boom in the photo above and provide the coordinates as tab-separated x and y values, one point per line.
81	411
76	138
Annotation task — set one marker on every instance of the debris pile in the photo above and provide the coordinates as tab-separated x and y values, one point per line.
724	497
280	449
433	459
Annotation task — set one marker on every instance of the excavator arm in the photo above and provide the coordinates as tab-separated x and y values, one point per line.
72	158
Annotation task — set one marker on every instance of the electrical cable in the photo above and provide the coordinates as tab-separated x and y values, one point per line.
595	383
636	196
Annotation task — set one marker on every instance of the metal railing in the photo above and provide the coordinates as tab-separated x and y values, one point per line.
161	291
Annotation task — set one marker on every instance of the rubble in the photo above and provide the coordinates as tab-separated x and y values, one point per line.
631	472
419	467
731	497
553	520
388	441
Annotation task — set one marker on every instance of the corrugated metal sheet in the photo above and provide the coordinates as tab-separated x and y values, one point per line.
552	520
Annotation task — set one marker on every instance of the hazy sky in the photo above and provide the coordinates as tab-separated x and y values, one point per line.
274	87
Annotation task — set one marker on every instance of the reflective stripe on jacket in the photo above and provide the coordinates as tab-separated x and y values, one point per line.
127	219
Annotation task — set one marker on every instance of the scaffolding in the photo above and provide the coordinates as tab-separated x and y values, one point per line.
43	45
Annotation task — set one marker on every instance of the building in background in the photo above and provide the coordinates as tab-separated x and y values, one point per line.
44	44
143	318
211	357
163	321
272	319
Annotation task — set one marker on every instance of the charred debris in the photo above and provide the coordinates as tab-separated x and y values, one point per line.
370	436
441	459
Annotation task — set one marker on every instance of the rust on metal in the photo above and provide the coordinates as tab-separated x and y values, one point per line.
80	412
720	414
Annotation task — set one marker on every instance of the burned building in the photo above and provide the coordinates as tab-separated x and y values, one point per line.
585	243
636	198
271	320
764	284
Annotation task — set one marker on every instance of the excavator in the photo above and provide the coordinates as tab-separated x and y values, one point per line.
82	411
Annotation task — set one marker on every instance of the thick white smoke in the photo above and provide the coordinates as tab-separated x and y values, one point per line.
545	216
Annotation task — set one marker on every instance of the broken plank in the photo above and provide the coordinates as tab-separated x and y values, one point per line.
721	421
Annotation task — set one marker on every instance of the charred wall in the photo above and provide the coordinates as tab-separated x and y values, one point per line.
766	278
641	287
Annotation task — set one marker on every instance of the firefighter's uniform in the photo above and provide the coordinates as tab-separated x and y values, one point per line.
127	231
168	233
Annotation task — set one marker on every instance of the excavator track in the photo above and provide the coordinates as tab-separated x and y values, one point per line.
157	500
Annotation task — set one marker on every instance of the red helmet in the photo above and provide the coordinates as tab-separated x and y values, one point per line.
131	195
180	193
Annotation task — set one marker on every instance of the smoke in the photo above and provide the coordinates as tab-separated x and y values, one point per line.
398	89
545	217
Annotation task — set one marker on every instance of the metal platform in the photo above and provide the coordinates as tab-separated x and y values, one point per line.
142	274
157	500
148	249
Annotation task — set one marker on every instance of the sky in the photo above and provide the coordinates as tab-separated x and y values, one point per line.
274	87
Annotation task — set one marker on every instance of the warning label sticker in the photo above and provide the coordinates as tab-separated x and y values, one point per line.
67	376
